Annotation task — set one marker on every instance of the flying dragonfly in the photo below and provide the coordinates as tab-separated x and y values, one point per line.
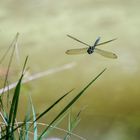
90	49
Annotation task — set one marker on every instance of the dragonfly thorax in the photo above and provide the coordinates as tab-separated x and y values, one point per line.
90	50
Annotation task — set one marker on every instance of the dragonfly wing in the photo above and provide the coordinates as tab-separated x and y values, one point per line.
106	42
78	40
76	51
106	53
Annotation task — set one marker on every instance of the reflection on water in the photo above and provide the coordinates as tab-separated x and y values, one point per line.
113	101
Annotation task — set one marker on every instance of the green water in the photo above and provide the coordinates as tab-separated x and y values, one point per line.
113	107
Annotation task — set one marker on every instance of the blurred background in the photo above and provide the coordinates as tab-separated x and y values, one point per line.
113	101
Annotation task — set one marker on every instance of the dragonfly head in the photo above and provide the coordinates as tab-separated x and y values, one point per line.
90	50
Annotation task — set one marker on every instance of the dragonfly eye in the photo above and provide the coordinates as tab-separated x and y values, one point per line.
90	50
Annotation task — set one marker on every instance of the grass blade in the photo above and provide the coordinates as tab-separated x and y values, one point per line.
13	109
34	118
5	54
55	103
8	69
27	118
71	103
56	124
14	105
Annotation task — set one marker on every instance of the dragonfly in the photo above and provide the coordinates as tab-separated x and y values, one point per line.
90	49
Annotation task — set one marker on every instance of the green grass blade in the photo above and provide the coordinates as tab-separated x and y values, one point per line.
69	127
10	59
8	69
56	124
70	103
55	103
4	135
5	54
51	107
14	105
21	136
10	133
27	126
13	110
26	135
34	119
72	123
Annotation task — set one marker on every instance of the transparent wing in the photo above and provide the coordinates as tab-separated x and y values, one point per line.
106	42
105	53
78	40
76	51
97	44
